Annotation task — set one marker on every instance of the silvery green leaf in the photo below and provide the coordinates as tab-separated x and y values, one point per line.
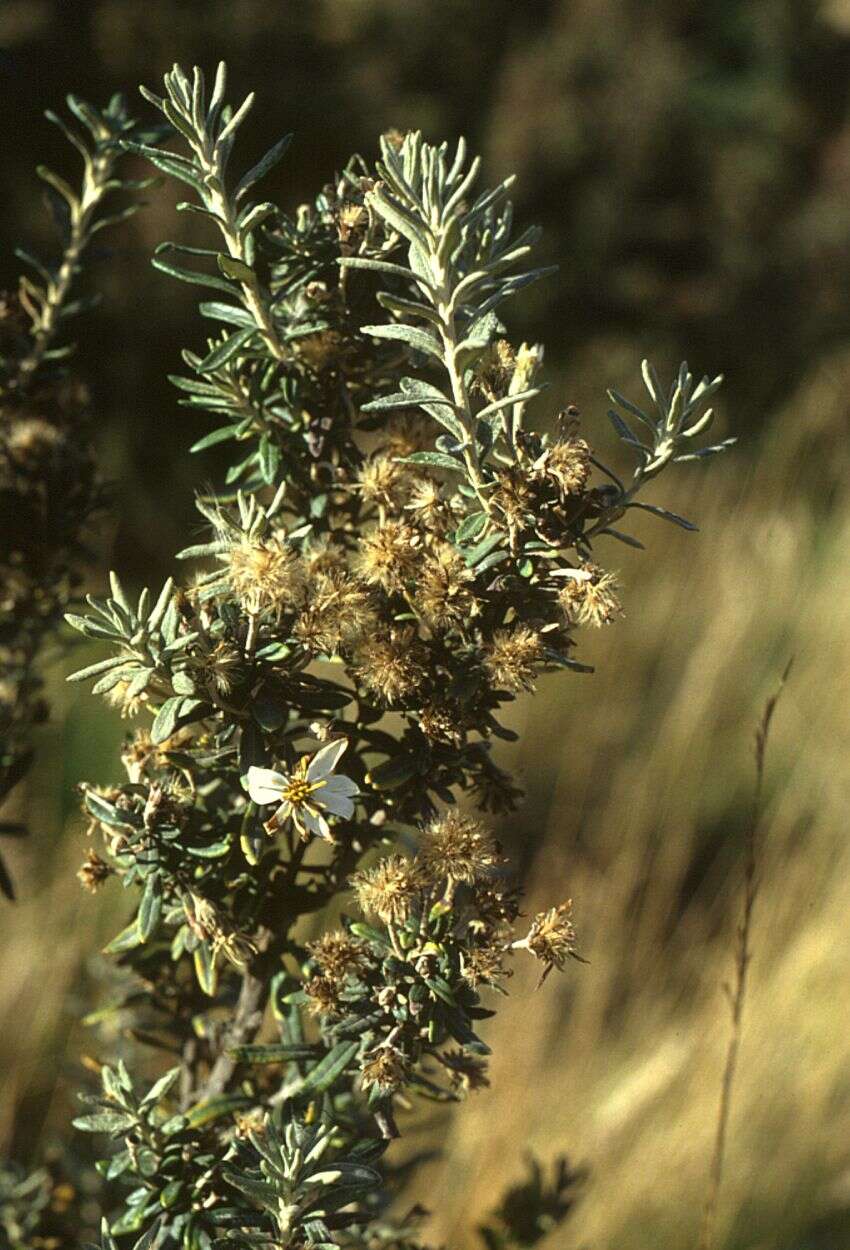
663	512
263	166
419	340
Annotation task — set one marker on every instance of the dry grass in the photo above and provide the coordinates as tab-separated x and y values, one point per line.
641	776
619	1065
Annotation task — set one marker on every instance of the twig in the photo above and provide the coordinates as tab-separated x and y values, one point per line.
743	954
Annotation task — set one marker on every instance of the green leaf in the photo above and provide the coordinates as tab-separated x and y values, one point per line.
271	1053
128	939
234	268
392	772
419	340
161	1087
227	350
93	670
329	1069
214	1108
105	1122
205	969
221	435
470	527
668	516
379	266
150	906
196	276
263	166
435	460
165	721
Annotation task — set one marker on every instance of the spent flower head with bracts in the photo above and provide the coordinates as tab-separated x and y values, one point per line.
396	554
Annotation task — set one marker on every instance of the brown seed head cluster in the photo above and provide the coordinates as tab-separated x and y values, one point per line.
458	849
389	889
591	597
442	593
386	1068
513	658
265	574
385	482
552	937
337	954
338	611
93	872
390	555
392	665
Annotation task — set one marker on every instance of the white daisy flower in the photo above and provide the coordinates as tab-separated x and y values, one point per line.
307	793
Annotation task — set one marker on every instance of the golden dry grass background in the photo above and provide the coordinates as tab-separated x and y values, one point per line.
690	164
639	779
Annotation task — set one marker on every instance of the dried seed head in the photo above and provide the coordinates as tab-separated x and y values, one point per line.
442	592
386	1068
457	848
223	665
513	657
514	496
427	506
392	665
390	555
323	995
93	872
265	573
590	597
351	219
494	372
338	954
339	611
551	938
389	889
483	965
382	480
568	462
441	720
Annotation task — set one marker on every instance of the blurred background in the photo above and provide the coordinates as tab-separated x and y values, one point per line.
689	161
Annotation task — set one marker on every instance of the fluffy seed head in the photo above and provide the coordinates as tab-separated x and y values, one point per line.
389	889
93	872
392	665
512	658
442	593
457	848
590	598
552	937
265	573
568	462
390	555
382	480
338	954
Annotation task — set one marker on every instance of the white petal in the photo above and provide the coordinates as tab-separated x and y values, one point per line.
325	760
336	796
265	785
340	806
314	822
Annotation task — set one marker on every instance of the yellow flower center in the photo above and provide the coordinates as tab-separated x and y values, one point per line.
299	790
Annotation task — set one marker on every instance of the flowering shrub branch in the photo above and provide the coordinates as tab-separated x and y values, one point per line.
394	556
